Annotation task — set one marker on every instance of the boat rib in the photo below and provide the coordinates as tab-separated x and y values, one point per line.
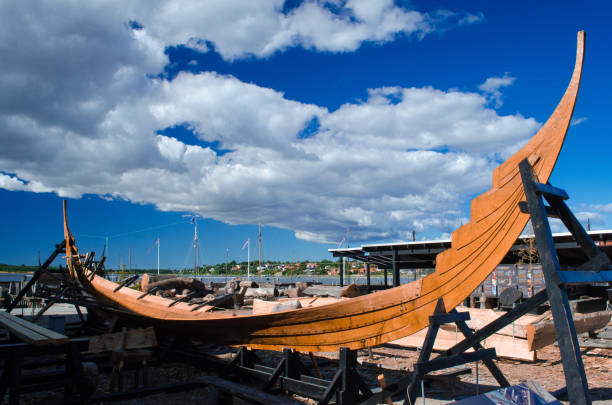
373	319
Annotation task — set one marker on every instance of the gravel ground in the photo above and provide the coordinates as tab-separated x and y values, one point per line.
392	362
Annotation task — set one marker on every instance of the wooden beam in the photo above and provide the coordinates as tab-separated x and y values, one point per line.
52	336
571	358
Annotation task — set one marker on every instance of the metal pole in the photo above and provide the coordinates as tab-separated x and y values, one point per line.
249	259
368	276
477	378
423	390
195	244
260	266
395	268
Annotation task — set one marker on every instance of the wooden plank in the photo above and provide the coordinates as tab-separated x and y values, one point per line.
543	333
245	392
130	339
500	322
26	334
505	346
52	336
479	318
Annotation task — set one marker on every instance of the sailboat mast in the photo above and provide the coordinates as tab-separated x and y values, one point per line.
260	266
249	259
158	256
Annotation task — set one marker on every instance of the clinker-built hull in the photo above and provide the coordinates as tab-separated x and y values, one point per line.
373	319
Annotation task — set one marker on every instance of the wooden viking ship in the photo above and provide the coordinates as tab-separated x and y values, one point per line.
373	319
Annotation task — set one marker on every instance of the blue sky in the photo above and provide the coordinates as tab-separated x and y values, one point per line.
310	117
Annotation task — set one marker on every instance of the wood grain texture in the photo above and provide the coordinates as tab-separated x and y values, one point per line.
31	332
543	333
370	320
505	346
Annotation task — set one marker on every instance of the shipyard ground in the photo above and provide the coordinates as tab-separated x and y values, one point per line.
392	362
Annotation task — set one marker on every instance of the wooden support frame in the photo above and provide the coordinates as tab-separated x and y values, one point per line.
409	385
14	354
426	365
535	193
290	374
59	248
229	388
504	320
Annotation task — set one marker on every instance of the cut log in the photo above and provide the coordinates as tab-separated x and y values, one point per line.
292	292
543	333
147	279
232	300
179	283
224	301
302	285
383	384
249	284
349	291
266	307
262	292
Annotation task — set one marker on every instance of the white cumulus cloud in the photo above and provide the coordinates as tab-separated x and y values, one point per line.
491	88
83	110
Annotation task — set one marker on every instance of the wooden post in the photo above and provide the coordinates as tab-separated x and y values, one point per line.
383	384
368	281
573	367
341	272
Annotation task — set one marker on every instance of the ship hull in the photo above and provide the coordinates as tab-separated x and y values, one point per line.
370	320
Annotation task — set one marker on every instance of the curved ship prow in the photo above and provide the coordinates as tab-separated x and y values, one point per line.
373	319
